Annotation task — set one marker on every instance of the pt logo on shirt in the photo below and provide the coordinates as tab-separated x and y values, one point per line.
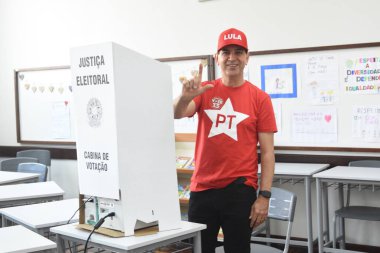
225	120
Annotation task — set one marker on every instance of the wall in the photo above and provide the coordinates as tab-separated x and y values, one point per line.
39	33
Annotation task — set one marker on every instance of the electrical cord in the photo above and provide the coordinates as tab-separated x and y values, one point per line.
97	225
90	198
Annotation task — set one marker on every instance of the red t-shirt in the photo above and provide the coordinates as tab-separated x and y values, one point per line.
229	120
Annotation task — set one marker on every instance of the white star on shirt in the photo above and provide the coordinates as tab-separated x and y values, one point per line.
225	120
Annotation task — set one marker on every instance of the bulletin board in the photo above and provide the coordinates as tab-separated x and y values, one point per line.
44	111
325	98
186	128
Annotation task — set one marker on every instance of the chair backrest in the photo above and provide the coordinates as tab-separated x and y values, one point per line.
11	164
42	155
34	168
361	163
282	206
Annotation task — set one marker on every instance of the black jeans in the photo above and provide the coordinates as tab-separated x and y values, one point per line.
228	208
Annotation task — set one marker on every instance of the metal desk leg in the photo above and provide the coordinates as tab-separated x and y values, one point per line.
326	211
319	215
309	218
197	242
60	244
342	243
341	204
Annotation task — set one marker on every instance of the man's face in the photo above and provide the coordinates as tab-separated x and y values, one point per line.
232	60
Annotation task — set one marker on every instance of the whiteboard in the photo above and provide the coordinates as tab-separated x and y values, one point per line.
325	98
44	105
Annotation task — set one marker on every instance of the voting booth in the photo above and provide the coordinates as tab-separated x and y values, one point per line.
125	138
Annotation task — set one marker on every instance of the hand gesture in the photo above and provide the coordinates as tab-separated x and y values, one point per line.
192	88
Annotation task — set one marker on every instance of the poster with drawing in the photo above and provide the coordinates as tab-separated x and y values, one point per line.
320	80
280	80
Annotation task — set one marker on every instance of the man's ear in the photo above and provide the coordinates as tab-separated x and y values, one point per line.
216	58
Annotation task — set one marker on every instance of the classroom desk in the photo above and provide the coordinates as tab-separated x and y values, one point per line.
340	175
20	239
41	217
8	177
129	244
301	171
18	194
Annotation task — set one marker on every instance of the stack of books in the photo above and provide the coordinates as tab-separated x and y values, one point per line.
183	191
185	162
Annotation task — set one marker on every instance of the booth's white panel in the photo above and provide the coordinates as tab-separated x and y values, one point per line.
125	133
94	102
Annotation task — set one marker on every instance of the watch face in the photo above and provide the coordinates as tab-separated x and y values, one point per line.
94	112
266	194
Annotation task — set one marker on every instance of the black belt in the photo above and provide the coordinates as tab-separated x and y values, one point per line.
239	180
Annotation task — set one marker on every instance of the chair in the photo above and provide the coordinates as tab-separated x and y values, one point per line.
282	206
368	213
42	155
34	168
11	164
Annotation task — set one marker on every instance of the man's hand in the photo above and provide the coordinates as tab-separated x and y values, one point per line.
192	88
259	211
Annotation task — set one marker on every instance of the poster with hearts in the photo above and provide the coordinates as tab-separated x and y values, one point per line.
315	125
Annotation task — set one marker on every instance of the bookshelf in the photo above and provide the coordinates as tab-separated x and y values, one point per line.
185	171
184	177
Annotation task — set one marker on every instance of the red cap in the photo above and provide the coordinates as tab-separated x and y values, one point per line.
232	36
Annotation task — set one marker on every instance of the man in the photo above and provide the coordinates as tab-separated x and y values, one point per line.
234	116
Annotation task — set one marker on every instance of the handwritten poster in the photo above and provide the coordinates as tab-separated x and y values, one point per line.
366	123
362	75
321	79
315	125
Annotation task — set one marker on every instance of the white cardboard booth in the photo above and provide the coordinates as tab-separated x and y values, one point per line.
125	137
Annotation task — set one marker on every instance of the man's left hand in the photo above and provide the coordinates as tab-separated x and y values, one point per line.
259	211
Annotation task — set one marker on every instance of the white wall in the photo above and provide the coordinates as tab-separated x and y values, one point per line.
39	33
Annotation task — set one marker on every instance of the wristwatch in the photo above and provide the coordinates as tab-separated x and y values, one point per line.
265	194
